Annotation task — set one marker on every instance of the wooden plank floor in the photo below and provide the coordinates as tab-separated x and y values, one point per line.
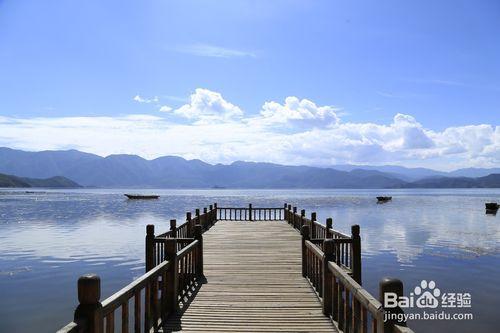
254	283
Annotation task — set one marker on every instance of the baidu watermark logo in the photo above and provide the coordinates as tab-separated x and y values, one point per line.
426	295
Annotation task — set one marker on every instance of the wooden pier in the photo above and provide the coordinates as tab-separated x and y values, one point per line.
242	270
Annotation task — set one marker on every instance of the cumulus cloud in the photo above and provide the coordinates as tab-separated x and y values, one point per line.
165	108
296	113
207	106
211	128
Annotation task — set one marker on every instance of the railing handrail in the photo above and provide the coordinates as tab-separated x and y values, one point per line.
182	253
314	249
74	327
253	208
115	300
361	294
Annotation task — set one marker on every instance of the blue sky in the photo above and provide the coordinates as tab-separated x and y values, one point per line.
437	62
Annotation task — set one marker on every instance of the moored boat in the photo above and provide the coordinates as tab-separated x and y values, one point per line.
384	199
142	196
491	206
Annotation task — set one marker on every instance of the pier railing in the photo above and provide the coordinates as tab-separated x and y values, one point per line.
250	214
347	247
351	308
331	261
174	269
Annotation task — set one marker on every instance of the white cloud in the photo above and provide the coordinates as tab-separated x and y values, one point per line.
296	113
165	108
140	99
295	132
207	106
207	50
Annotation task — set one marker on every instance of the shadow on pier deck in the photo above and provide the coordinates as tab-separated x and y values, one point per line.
242	270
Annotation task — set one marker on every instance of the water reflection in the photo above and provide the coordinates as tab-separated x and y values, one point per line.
48	239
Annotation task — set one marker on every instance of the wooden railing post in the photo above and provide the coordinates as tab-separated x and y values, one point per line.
329	225
89	309
171	303
173	228
329	254
313	227
197	214
356	254
150	247
198	235
304	231
215	212
294	216
205	218
302	217
285	215
189	225
250	212
394	286
290	214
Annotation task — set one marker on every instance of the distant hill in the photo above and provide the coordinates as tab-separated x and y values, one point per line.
53	182
490	181
175	172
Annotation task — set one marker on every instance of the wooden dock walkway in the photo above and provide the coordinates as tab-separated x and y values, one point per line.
253	283
243	269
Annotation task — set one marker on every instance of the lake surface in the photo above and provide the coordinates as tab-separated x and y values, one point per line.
49	238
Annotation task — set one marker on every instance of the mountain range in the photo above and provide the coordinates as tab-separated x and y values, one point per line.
52	182
175	172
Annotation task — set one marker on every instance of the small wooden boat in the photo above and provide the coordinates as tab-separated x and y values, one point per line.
141	196
491	206
384	199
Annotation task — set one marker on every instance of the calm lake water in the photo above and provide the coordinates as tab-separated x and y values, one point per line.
48	239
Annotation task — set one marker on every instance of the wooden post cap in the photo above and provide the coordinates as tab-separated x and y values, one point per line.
215	205
89	289
355	230
302	212
197	211
304	231
173	224
286	205
390	285
295	209
188	216
150	229
313	216
329	223
289	207
204	209
210	207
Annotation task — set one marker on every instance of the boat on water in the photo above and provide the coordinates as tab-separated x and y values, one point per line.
384	199
142	196
491	206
